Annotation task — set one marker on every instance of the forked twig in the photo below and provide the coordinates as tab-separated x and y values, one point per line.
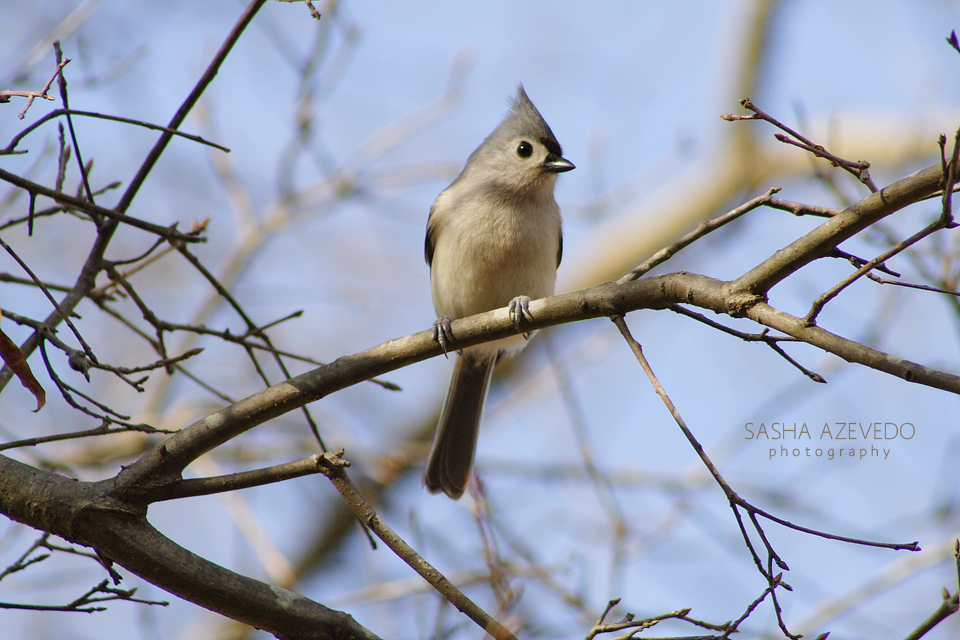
859	169
333	466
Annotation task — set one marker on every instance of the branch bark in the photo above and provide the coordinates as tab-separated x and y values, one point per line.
87	513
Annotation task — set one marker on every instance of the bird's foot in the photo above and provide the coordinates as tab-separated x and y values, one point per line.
442	334
519	309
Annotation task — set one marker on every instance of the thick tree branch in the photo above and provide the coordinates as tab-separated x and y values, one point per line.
822	240
85	513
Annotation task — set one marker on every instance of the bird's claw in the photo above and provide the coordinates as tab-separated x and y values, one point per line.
519	309
442	333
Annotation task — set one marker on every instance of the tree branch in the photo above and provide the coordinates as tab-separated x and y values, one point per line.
85	513
822	240
334	466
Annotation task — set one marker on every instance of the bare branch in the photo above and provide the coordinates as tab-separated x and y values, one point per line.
12	145
800	209
822	240
113	214
92	514
5	95
858	169
704	228
947	608
334	466
189	487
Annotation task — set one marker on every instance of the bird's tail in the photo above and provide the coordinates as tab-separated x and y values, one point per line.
451	456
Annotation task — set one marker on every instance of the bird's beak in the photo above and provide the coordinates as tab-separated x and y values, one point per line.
556	164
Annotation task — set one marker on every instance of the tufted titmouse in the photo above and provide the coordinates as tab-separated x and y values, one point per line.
493	234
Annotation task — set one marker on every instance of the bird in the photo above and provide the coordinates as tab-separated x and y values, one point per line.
494	239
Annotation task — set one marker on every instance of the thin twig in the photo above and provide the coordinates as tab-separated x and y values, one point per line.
859	262
25	560
735	625
859	169
56	113
65	317
764	336
252	329
190	487
811	318
94	210
333	466
950	176
103	429
948	607
5	95
84	170
82	604
911	285
705	227
800	209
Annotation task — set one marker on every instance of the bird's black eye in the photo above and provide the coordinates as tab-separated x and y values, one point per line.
525	149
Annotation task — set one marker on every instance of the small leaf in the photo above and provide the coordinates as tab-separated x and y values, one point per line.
12	355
